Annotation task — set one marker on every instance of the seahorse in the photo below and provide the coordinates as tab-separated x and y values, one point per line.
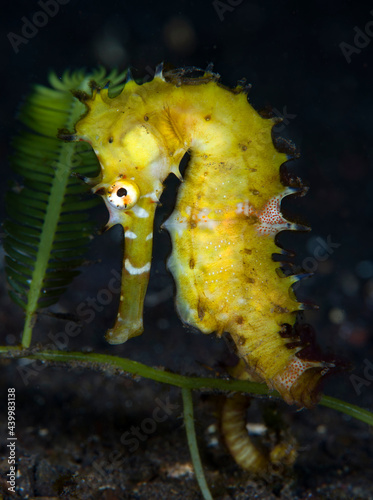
258	459
276	451
223	227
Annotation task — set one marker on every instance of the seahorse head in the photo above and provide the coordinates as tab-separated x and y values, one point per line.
133	159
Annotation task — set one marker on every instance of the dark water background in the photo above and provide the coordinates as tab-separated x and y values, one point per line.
295	56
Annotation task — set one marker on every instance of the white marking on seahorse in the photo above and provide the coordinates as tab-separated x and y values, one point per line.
175	223
130	235
140	212
136	270
271	218
244	208
209	224
203	221
149	237
152	196
293	371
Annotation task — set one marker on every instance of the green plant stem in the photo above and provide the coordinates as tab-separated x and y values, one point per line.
103	361
192	442
52	216
347	408
57	194
29	320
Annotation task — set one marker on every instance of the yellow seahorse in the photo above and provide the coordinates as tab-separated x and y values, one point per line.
223	228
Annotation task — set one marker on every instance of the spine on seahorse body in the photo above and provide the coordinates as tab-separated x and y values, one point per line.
223	228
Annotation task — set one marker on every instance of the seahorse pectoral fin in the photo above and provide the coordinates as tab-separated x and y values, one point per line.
135	275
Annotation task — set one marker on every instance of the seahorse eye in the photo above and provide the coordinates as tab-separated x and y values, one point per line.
123	194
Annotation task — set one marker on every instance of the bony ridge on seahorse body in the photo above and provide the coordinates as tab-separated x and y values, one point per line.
223	228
